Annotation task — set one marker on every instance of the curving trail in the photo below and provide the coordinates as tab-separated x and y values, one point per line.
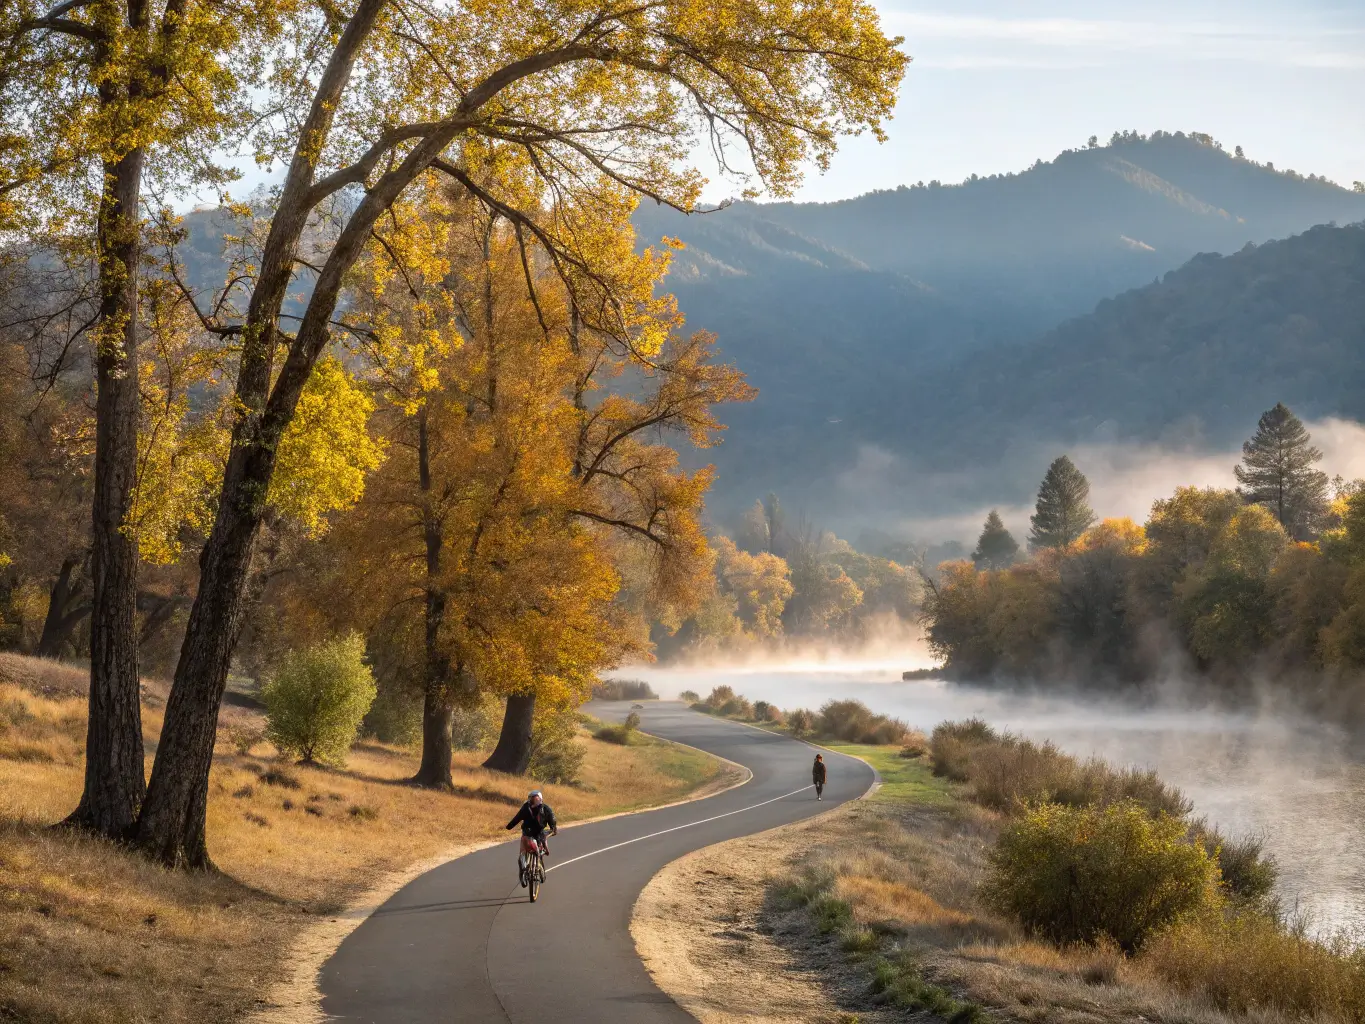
463	944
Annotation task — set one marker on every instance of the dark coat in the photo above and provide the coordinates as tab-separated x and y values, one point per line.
534	821
817	772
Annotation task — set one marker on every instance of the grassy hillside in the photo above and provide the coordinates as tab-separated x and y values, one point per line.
91	933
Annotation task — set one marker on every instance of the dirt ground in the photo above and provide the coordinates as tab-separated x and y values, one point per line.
717	936
713	939
91	933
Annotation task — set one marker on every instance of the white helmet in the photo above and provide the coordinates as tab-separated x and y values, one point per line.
533	794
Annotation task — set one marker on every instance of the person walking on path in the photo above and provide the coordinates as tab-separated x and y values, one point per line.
817	775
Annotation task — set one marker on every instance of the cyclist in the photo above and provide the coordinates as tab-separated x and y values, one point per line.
817	775
536	819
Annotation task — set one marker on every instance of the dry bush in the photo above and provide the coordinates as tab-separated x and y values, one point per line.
556	754
1007	772
1251	961
1082	874
621	735
623	689
719	696
1249	873
916	744
952	744
800	721
736	707
854	722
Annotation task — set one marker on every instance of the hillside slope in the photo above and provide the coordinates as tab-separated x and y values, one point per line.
1200	353
888	320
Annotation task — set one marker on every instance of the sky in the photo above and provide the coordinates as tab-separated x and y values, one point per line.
996	84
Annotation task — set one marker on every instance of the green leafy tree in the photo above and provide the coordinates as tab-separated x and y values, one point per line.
1277	471
1081	874
1062	513
996	548
318	698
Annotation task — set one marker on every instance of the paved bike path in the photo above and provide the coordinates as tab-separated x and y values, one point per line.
462	943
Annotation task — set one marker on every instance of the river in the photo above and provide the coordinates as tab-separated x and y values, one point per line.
1299	783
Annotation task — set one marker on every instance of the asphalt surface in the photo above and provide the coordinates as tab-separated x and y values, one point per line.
462	943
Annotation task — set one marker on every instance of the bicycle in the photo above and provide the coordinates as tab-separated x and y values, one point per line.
532	868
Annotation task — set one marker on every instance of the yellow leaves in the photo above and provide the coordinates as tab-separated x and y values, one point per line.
760	585
1122	535
327	450
180	463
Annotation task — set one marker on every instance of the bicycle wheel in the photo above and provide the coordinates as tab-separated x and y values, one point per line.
534	875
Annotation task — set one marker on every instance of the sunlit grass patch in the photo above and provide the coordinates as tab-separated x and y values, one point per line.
904	780
90	932
899	980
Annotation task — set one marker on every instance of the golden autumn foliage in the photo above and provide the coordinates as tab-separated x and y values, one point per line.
529	471
1220	577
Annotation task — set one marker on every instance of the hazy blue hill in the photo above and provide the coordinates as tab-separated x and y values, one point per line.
1049	242
924	320
1205	350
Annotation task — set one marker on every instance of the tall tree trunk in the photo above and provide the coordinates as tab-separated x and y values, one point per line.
62	619
513	752
437	748
115	782
436	704
171	826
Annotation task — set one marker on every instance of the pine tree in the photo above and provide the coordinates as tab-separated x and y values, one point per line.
1061	514
777	525
996	548
1277	472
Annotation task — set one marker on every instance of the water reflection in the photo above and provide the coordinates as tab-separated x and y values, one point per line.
1299	783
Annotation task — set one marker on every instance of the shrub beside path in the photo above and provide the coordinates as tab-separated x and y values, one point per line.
92	933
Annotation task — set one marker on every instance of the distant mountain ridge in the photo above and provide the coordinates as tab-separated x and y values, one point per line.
868	322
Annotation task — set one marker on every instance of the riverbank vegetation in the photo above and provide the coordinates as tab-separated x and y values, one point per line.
849	721
1260	588
89	932
997	874
787	586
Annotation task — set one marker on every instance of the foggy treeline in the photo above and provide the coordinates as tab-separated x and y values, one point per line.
1264	582
779	583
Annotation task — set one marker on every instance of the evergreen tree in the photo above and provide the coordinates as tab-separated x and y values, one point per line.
1277	471
996	548
1061	514
777	525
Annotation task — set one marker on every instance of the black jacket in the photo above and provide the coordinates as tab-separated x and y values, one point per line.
534	821
817	772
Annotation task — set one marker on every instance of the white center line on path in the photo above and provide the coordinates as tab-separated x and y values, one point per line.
703	821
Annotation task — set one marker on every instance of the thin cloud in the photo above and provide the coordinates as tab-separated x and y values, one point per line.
1076	42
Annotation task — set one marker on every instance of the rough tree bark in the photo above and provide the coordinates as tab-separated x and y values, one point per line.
115	783
171	826
66	607
513	752
437	710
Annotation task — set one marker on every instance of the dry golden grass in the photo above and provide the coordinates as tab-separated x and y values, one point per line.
1249	963
91	933
910	873
877	901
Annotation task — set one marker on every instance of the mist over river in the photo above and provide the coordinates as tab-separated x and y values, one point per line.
1298	782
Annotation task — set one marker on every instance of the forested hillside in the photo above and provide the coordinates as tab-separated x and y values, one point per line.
1209	346
925	321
